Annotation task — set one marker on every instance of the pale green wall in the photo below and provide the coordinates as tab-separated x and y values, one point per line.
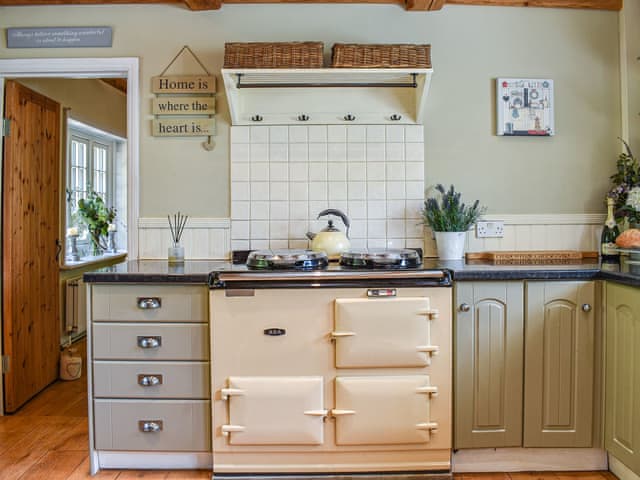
90	101
631	40
471	46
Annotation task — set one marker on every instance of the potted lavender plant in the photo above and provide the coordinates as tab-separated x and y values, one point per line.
450	219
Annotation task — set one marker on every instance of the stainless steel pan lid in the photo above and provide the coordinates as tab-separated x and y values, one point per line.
381	258
287	260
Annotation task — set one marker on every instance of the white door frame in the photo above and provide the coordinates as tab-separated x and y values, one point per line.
91	68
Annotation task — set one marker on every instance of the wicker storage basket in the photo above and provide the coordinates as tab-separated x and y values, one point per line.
353	55
273	55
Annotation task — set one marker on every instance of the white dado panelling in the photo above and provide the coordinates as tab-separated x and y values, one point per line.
283	176
203	238
536	232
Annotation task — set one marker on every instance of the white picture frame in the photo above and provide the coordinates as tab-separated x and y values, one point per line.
525	107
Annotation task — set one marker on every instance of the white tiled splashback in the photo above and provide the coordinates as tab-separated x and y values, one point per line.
283	176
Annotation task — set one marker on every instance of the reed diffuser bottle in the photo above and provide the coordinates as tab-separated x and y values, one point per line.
175	253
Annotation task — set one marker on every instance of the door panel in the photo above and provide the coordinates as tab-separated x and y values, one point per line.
389	332
403	418
30	212
488	364
274	410
559	364
622	417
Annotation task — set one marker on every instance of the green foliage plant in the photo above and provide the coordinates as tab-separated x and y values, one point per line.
448	213
96	216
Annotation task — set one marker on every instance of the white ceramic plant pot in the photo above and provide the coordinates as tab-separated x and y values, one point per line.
450	245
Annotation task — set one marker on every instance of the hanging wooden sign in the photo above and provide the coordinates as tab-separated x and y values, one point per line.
184	84
184	127
192	105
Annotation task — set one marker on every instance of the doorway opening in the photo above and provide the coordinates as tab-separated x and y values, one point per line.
87	68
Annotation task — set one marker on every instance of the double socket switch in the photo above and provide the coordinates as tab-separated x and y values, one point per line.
490	229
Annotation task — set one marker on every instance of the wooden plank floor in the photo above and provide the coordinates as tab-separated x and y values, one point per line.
47	439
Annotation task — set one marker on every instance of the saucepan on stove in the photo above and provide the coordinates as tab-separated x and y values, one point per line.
330	239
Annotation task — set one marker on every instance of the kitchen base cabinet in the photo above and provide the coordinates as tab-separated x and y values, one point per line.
148	376
559	364
546	350
488	364
622	392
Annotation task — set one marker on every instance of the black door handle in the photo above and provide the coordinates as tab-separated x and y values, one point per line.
58	249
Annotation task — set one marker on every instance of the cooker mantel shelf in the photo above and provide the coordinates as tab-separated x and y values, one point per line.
326	96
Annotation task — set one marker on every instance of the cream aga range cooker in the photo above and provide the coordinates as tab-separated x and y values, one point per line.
331	369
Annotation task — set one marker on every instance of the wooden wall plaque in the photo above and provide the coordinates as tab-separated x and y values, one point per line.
184	127
184	84
191	105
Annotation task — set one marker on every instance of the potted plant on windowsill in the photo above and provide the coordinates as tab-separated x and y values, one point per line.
450	219
95	215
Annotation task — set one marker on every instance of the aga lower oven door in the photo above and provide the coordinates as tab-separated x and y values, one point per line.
331	380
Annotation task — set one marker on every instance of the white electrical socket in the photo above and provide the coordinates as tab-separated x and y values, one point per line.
490	228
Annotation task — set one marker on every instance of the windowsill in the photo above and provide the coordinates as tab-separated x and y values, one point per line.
91	260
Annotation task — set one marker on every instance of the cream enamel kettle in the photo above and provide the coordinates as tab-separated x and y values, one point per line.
331	240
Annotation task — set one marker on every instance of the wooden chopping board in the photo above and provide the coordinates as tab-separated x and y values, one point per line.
529	257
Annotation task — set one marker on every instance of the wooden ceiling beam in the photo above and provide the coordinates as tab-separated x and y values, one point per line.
414	5
589	4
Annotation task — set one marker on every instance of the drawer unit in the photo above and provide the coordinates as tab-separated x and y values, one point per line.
156	425
150	374
151	379
139	341
153	303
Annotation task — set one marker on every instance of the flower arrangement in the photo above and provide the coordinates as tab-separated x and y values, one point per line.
93	213
449	214
626	187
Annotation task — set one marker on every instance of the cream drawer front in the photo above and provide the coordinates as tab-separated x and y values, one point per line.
274	410
383	332
170	425
131	341
383	410
153	303
151	379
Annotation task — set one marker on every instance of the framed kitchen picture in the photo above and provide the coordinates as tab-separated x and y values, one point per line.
525	107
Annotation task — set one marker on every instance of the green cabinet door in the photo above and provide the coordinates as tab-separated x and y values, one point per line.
559	364
622	390
488	364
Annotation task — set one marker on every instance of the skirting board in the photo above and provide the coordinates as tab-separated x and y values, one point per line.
155	460
620	470
528	459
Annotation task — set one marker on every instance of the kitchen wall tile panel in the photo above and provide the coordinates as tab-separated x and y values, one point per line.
259	134
282	177
318	133
337	133
337	152
277	134
298	134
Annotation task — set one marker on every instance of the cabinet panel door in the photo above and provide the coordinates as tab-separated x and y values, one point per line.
559	364
382	332
404	418
275	411
622	410
488	364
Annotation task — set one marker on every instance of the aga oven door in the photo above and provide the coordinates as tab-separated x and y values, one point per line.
383	332
274	410
383	410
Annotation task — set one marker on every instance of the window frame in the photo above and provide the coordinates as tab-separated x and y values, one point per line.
91	138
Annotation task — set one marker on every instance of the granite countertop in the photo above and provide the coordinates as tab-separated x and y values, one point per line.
197	271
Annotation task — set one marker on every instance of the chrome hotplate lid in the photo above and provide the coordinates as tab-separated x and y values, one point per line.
287	260
374	258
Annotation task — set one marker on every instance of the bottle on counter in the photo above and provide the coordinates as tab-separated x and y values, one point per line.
610	232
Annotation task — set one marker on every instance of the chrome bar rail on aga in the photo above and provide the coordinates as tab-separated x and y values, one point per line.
330	279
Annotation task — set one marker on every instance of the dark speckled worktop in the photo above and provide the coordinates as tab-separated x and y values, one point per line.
197	271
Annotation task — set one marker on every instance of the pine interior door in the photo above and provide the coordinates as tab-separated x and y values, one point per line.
30	230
